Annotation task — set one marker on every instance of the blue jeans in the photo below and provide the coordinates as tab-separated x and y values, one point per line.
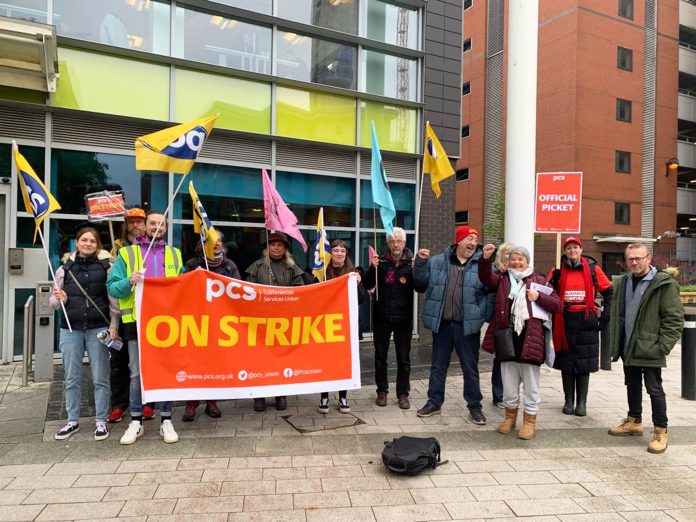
451	335
72	346
136	394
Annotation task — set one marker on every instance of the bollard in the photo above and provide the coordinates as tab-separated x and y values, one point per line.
688	346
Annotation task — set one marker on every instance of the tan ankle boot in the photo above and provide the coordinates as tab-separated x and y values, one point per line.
509	422
528	429
658	444
627	426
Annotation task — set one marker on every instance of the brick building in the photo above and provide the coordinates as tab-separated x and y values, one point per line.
609	104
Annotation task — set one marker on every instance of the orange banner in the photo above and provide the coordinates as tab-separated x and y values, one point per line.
206	336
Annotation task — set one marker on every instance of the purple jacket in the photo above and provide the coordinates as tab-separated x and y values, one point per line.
533	348
154	264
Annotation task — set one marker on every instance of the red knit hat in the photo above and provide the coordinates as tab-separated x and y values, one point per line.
463	232
572	239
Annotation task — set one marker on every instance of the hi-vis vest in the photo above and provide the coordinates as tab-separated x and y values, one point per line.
134	261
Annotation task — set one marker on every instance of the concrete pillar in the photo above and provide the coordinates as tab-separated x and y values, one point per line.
520	137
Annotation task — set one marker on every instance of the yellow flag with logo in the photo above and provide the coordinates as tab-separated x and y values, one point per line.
322	250
202	225
38	201
174	149
435	160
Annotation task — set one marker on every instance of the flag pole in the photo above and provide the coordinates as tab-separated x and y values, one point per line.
53	275
166	211
205	256
374	237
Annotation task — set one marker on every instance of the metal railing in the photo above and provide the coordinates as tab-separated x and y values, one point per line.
28	348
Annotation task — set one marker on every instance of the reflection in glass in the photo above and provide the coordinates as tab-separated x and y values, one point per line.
76	173
313	60
396	126
340	15
214	39
244	244
134	24
63	233
404	201
258	6
29	10
306	193
392	24
390	76
35	158
227	193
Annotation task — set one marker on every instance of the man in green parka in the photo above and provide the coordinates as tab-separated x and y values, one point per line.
646	322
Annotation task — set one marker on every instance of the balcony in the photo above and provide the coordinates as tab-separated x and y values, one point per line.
687	105
687	14
687	58
686	248
686	200
686	152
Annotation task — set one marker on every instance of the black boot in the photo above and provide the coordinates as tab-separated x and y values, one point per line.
568	391
582	383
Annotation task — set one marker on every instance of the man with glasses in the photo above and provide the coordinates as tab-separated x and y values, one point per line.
646	322
392	276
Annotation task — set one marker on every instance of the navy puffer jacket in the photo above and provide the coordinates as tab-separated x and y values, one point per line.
477	301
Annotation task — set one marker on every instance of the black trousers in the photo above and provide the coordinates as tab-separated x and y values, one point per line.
120	378
382	331
634	377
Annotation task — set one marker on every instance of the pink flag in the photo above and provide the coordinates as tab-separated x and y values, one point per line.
371	252
278	215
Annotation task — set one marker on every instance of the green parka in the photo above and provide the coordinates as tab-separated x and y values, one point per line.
658	324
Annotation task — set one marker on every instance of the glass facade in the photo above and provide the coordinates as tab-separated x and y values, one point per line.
214	39
133	24
392	24
391	76
331	14
396	126
315	60
29	10
306	193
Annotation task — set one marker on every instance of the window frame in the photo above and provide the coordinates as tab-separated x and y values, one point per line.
626	9
468	4
622	206
466	45
462	174
466	131
627	55
458	221
624	110
466	88
617	161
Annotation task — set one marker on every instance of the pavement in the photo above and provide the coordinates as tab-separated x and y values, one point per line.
301	465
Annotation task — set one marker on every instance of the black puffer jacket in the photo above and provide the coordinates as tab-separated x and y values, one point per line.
91	273
227	268
396	285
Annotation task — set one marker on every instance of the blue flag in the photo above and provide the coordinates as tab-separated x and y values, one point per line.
380	187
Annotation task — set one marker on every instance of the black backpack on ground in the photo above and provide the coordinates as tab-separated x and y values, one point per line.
411	455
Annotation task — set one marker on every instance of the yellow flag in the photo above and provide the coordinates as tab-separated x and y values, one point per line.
202	225
174	149
322	249
435	160
38	201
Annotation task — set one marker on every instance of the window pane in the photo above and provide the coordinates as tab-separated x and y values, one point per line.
259	6
313	60
461	217
35	156
392	24
134	24
626	8
623	110
63	233
227	193
203	37
242	104
624	58
30	10
340	16
462	174
315	116
391	76
244	244
404	201
396	126
76	173
306	193
368	238
102	83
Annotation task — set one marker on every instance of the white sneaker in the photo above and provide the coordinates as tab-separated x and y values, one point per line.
134	431
167	431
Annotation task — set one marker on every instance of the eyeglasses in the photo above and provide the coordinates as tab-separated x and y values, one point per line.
635	259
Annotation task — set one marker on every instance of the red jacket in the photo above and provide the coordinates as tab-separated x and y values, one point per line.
533	348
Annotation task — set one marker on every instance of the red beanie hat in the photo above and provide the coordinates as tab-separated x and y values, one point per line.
463	232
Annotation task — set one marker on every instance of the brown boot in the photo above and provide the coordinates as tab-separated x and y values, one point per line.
528	429
658	444
509	422
627	426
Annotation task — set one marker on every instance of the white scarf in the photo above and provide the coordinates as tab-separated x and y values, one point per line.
518	294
